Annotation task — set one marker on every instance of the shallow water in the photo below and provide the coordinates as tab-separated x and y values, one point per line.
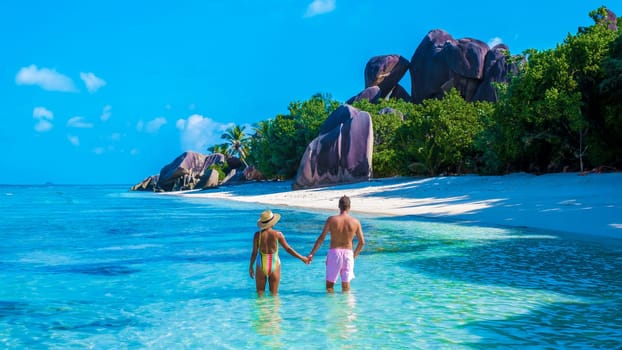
100	267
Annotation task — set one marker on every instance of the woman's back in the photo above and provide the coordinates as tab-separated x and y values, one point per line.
268	241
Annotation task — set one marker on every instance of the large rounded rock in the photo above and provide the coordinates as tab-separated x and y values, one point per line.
465	57
148	184
342	153
253	174
441	63
188	169
372	94
399	93
428	68
497	69
385	72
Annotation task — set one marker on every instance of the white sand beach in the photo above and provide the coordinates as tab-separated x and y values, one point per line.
588	204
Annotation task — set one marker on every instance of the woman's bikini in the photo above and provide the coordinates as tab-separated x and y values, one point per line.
268	262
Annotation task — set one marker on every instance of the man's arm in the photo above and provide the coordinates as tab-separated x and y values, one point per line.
320	239
360	239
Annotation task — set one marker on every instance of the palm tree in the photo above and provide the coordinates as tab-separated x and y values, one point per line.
261	128
237	141
221	148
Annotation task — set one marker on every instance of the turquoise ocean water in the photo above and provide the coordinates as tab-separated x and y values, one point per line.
100	267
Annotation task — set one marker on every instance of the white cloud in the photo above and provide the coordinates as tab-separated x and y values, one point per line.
42	113
92	82
494	42
319	7
79	122
47	79
155	124
197	133
106	113
74	140
43	125
44	118
151	126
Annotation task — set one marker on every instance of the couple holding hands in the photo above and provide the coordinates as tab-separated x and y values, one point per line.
339	261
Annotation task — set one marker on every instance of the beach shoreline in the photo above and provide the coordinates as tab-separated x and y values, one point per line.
589	204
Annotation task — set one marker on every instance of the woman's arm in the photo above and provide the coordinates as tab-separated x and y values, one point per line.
251	270
283	242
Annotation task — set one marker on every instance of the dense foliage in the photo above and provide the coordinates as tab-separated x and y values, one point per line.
437	136
554	115
562	111
278	144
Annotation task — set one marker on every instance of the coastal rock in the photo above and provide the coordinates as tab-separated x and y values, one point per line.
612	20
465	57
371	93
209	179
385	72
342	153
252	174
441	63
234	162
186	170
496	69
399	93
387	110
231	177
148	184
428	69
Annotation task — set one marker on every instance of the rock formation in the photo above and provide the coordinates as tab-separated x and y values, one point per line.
440	63
371	93
188	171
148	184
252	174
496	69
612	20
385	72
399	93
343	150
341	153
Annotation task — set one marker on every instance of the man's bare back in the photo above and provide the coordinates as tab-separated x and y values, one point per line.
343	228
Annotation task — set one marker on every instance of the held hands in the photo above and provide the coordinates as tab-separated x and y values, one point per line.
307	259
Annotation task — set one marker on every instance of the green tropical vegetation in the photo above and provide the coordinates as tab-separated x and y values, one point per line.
561	111
237	142
279	143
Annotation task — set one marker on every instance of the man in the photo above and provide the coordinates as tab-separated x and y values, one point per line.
340	259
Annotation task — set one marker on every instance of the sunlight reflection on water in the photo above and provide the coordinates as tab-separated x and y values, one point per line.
174	274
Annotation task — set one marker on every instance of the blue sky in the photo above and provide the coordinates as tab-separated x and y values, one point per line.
108	92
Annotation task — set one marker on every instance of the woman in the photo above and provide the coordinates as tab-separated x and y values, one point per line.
266	252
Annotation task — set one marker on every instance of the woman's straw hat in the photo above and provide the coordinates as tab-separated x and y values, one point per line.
268	219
